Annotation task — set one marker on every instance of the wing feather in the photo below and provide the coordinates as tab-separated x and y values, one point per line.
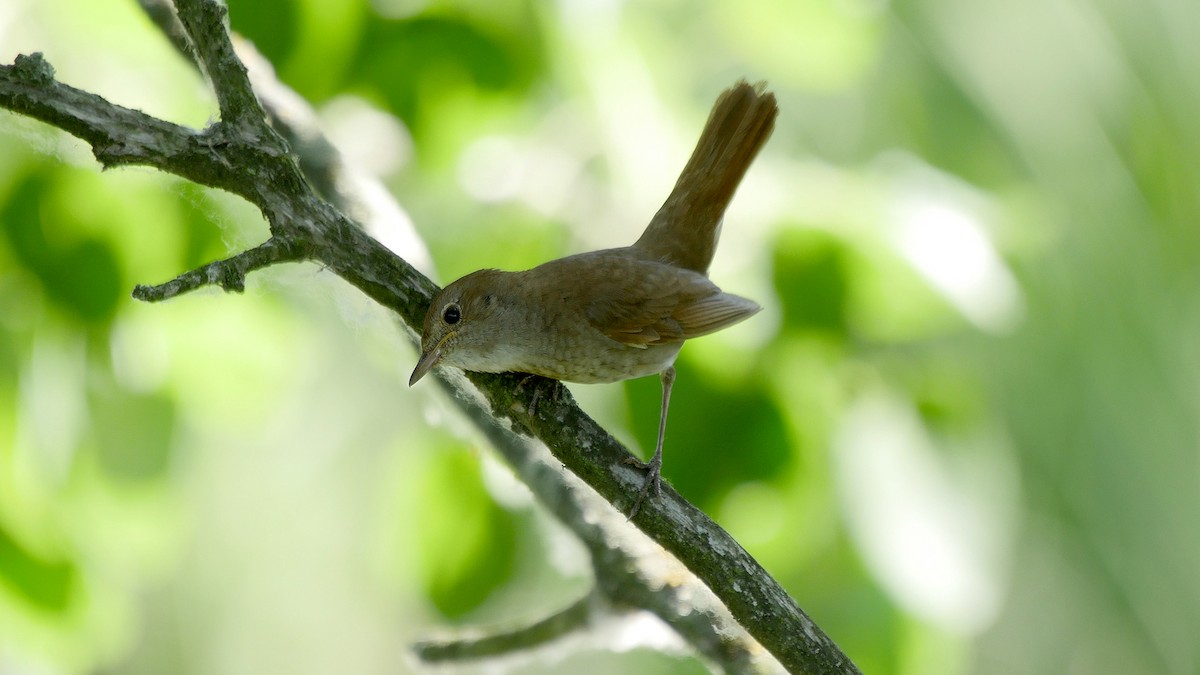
711	314
641	303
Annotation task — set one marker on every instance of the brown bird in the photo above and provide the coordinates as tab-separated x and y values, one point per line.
619	313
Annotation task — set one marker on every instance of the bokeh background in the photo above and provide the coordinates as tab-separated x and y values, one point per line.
962	434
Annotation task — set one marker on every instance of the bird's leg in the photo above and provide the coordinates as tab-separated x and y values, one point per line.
653	468
539	384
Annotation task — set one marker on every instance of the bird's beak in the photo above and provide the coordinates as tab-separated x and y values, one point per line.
427	361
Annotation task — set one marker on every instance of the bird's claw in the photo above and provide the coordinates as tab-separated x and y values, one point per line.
653	480
539	384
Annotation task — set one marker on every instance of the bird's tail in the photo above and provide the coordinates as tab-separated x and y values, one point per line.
684	232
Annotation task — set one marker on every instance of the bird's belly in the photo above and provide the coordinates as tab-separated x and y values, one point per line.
624	363
611	362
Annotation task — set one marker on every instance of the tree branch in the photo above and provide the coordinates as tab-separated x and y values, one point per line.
574	617
243	155
118	136
630	568
204	23
229	274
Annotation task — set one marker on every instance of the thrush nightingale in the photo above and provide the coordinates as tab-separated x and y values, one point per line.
618	313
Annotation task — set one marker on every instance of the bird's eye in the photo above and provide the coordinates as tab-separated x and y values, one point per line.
451	314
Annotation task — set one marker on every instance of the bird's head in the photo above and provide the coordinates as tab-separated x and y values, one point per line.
461	325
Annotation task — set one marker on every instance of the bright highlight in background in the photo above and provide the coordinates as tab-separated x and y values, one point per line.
932	531
939	224
950	249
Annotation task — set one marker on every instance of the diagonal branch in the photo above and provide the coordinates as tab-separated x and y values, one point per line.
268	175
631	570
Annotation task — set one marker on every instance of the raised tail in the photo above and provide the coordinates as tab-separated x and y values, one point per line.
684	232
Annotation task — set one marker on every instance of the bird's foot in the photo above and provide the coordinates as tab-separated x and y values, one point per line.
653	480
539	385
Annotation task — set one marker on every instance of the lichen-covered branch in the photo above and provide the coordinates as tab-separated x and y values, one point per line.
243	155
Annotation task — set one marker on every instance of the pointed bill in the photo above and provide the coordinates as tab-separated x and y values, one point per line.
428	360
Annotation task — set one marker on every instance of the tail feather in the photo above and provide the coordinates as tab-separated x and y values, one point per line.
684	232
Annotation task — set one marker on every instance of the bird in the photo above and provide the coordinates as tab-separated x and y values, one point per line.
620	313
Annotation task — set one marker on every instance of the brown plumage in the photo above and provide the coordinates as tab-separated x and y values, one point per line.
685	230
620	313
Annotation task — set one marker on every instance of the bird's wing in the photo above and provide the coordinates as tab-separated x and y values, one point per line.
642	303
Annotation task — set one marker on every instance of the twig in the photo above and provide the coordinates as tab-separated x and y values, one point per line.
229	274
481	644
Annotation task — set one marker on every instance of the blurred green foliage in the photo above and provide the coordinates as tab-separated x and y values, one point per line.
468	542
80	277
962	433
46	584
811	277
